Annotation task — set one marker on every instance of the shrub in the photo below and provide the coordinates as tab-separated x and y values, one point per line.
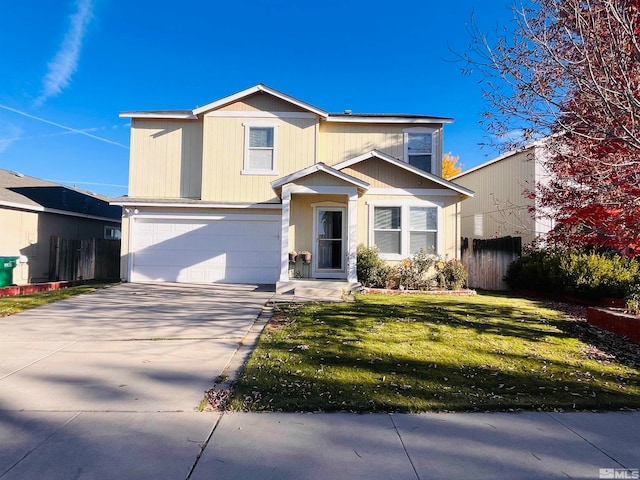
585	274
633	300
453	275
372	271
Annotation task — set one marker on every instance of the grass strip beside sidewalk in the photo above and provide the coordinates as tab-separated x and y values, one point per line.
428	353
17	304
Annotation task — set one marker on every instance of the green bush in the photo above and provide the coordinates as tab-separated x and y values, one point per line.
572	272
372	271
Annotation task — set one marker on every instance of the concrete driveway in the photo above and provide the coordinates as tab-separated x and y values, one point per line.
74	373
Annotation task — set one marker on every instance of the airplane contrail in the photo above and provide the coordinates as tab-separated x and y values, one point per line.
70	129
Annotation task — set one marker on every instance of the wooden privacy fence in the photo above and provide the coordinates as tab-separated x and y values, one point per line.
487	260
90	259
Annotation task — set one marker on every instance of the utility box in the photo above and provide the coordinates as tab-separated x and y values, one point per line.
7	264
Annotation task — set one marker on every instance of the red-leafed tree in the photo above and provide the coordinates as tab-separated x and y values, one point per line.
570	73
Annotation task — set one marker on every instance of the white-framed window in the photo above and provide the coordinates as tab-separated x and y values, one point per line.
400	230
420	148
260	140
112	233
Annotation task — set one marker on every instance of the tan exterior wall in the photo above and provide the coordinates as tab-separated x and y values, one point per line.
380	174
499	207
223	160
262	102
342	141
301	219
29	233
166	159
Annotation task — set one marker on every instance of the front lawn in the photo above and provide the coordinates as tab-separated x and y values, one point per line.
414	353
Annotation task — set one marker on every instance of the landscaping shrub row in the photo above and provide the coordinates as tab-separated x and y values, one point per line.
576	273
422	271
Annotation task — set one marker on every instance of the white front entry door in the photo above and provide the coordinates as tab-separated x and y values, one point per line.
330	239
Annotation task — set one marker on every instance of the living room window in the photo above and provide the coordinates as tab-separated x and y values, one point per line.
260	149
400	231
387	230
419	148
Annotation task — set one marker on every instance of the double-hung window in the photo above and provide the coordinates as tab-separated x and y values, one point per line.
400	231
419	148
260	149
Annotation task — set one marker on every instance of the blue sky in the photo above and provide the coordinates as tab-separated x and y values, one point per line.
67	68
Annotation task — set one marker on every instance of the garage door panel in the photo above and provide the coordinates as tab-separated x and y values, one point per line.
231	251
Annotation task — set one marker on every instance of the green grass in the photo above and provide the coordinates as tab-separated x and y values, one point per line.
11	305
430	353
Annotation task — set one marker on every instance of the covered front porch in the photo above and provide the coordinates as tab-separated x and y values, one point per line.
319	223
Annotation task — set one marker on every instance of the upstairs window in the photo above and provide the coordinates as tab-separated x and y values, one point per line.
260	149
419	148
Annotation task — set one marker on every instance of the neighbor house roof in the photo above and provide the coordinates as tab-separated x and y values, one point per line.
346	117
22	192
404	165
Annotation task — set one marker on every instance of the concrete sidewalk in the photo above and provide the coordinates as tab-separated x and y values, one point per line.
270	446
428	446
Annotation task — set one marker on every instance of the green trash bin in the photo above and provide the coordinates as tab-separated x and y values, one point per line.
7	264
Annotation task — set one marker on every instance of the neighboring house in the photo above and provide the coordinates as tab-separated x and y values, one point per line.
34	210
223	192
501	206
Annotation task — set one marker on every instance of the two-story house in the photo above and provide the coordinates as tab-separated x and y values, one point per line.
223	192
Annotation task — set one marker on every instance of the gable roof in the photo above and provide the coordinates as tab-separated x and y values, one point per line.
404	165
34	194
346	117
497	159
319	167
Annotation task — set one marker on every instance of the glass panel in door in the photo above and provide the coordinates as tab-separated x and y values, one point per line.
330	227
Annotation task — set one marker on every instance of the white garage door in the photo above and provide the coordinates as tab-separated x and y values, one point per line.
202	251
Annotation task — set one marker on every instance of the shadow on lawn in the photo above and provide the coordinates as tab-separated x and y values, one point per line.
326	368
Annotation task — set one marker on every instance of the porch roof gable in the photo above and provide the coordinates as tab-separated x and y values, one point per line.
404	165
277	185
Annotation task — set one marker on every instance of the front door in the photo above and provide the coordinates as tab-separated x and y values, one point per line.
330	240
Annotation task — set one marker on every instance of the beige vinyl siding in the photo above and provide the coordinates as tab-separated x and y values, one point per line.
301	219
223	158
262	102
343	141
21	238
500	207
450	226
166	159
381	174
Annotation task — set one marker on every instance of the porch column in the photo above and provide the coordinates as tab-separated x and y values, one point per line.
353	238
284	234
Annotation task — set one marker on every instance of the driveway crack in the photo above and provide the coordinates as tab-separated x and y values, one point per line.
406	452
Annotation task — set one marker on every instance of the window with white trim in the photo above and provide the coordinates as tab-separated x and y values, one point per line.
260	149
400	231
419	148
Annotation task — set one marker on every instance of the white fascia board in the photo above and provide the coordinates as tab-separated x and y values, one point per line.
384	119
259	114
41	209
127	203
405	166
170	115
256	89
